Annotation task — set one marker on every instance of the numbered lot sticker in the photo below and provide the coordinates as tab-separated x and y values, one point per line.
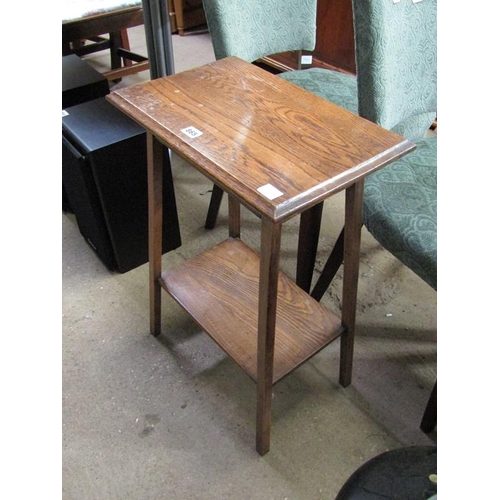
192	132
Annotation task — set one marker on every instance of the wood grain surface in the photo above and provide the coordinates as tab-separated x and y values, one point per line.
219	289
257	129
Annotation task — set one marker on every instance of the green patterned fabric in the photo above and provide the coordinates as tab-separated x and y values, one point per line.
397	86
400	209
251	29
336	87
396	54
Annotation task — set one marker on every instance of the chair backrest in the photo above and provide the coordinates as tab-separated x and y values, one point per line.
251	29
396	60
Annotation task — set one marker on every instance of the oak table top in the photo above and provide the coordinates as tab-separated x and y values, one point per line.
258	135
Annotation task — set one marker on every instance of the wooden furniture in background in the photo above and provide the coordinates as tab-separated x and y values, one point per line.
115	24
188	14
278	150
334	40
171	14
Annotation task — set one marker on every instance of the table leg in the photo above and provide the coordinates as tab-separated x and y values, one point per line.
268	296
352	242
310	225
155	218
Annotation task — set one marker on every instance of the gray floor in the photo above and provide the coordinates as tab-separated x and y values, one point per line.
172	417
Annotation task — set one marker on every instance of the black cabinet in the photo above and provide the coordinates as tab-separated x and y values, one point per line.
105	178
80	83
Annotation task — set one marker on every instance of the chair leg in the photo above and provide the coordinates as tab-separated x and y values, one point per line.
330	270
125	44
179	19
310	226
429	419
115	41
213	208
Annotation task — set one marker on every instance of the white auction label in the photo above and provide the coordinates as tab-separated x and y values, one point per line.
192	132
269	191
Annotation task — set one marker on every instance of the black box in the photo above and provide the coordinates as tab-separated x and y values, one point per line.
105	178
81	82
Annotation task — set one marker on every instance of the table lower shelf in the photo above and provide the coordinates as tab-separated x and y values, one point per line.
219	288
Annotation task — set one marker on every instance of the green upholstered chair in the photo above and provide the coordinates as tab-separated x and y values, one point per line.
252	29
396	54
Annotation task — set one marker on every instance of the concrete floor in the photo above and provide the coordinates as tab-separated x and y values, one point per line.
172	417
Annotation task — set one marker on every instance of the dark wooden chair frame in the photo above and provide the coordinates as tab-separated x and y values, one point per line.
115	24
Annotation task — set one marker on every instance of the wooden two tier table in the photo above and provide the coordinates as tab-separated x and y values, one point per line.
279	151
